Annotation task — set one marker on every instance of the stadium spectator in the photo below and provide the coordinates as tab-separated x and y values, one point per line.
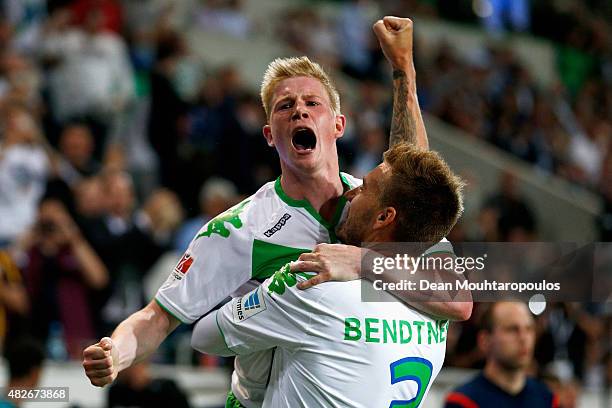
563	384
76	145
110	10
163	214
372	143
509	213
507	339
216	196
500	15
167	109
260	160
24	165
61	271
127	246
26	19
91	77
20	81
462	339
90	208
135	387
570	336
25	360
225	16
222	119
291	30
354	28
14	300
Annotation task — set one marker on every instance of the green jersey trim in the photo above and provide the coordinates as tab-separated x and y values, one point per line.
345	181
232	401
168	311
305	204
222	334
218	224
267	258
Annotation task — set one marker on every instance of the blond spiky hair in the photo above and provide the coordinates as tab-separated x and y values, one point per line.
284	68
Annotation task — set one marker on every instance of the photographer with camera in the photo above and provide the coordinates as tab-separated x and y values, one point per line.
61	271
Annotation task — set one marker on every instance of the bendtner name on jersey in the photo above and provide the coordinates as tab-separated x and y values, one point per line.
328	343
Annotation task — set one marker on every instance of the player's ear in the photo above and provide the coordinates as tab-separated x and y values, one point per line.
385	218
267	132
340	124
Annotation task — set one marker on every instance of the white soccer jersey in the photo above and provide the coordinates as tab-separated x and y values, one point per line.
236	251
250	241
330	348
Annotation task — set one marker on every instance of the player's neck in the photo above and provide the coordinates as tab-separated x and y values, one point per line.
379	235
510	380
318	188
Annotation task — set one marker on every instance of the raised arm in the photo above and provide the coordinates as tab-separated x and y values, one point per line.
132	341
395	38
200	280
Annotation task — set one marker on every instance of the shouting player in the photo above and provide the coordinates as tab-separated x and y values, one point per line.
333	349
241	247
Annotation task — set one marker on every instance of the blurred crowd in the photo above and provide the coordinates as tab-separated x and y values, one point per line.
101	164
116	145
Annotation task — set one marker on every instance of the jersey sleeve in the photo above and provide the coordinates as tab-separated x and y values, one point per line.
208	338
217	262
261	319
444	247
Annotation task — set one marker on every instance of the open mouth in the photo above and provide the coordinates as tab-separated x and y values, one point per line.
304	140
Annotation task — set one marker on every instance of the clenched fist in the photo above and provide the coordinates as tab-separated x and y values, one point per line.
99	362
395	38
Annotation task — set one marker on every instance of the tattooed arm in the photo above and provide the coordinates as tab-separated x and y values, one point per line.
407	123
395	37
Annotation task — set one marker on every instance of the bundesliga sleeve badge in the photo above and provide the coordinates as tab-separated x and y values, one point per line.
183	266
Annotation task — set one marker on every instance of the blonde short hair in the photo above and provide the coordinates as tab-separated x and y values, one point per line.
284	68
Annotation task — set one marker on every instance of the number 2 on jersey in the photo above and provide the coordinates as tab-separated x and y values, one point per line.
415	369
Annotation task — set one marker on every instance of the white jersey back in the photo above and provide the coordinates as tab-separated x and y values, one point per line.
330	348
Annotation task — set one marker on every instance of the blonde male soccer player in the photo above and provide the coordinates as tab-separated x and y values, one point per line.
236	250
331	348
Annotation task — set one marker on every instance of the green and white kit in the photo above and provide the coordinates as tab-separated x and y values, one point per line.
330	348
235	252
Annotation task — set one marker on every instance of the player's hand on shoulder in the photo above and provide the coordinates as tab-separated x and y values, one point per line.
99	362
331	262
395	38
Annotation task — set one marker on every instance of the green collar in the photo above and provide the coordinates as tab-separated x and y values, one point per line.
330	226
